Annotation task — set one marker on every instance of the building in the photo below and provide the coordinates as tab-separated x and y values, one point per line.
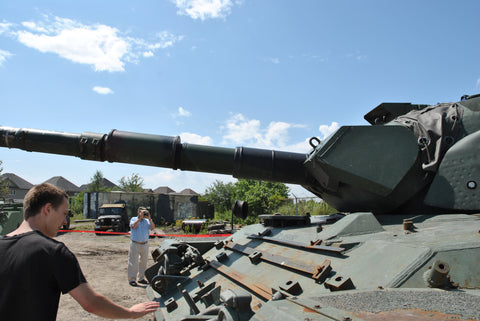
164	203
105	183
164	208
64	184
17	188
188	191
163	190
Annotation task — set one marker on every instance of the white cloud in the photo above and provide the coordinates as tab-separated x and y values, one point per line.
3	56
240	130
301	147
327	130
102	90
275	61
195	139
183	112
5	27
103	47
33	26
204	9
478	82
356	56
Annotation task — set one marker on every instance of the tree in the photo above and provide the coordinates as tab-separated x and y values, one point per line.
76	205
96	183
220	195
262	197
3	185
3	195
134	183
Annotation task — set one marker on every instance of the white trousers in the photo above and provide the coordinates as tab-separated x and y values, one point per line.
136	266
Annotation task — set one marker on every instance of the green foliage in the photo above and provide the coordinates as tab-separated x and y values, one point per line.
76	216
96	183
220	195
134	183
3	185
76	204
306	206
3	196
262	197
227	217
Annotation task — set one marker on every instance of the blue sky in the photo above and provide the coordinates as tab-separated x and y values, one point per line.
257	73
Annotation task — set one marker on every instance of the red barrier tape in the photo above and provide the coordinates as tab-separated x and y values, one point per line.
159	235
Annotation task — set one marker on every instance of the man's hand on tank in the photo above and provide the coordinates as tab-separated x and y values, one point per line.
141	309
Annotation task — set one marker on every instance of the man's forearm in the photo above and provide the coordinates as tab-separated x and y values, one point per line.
97	304
103	307
135	224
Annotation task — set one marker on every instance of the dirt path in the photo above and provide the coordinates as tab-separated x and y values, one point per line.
103	260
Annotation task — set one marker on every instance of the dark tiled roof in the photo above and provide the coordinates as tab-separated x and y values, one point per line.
188	191
163	190
108	184
83	187
105	182
16	181
63	183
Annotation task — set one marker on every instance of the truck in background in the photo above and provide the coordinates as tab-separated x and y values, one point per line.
112	217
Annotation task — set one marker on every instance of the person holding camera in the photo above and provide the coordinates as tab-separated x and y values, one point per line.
140	227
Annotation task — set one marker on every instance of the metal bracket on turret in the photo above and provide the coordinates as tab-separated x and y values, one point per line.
298	244
318	272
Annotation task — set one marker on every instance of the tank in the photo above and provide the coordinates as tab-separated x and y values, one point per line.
406	246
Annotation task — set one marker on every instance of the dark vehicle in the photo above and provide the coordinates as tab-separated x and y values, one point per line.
11	216
67	226
112	217
408	247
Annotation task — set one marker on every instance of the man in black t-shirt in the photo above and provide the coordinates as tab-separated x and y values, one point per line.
35	268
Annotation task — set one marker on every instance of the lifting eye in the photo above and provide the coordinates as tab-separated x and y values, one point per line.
314	142
423	141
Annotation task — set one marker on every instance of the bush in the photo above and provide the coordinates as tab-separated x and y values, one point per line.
304	207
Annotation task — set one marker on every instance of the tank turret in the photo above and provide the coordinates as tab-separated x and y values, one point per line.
406	162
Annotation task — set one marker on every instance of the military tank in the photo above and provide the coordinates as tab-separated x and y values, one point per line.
407	248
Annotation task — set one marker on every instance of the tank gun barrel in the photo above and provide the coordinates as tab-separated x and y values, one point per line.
161	151
406	162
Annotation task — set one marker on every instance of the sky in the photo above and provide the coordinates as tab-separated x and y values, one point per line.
258	73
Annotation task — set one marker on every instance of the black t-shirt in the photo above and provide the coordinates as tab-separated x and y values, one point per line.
34	269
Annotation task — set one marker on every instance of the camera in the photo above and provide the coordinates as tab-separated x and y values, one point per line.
145	213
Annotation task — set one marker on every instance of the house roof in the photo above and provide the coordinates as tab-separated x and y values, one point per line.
188	191
163	190
108	184
63	183
17	181
105	182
